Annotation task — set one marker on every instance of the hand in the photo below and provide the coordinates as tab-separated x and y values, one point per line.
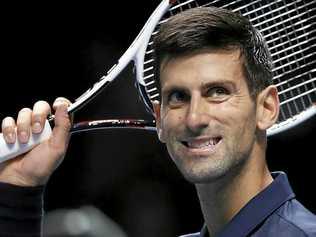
35	167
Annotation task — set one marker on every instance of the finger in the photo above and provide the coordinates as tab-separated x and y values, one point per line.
41	110
8	129
60	135
61	100
24	124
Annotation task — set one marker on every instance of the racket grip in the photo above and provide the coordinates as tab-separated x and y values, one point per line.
9	151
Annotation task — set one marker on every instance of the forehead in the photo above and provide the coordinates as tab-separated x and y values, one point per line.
202	66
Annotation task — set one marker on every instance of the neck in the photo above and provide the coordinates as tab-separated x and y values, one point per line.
222	200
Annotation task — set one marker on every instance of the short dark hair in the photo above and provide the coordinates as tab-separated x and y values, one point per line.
216	28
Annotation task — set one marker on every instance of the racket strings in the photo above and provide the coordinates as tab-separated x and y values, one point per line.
271	19
289	30
293	56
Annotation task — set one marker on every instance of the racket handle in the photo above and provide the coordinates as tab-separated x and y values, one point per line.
9	151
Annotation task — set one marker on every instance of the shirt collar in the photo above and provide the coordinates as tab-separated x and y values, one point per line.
258	208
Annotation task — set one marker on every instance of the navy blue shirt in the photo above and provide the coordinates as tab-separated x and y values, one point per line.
273	212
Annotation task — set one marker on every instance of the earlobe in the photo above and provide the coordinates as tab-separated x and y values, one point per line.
267	107
156	107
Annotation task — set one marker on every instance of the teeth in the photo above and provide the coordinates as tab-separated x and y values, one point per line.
201	144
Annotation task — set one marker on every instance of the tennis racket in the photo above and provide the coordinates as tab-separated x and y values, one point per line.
288	27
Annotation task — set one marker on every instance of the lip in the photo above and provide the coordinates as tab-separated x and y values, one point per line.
201	146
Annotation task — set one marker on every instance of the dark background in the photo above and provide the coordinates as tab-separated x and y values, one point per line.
50	50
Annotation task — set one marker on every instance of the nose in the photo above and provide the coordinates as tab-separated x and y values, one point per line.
197	117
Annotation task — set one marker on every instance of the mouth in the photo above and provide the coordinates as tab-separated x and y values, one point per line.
202	146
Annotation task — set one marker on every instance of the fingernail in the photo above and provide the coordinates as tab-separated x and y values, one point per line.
24	137
37	127
11	137
59	103
56	103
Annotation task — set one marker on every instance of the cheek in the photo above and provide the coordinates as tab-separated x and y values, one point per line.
239	125
243	128
239	111
170	122
169	131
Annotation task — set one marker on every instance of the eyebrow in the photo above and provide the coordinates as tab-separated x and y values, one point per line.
220	82
216	82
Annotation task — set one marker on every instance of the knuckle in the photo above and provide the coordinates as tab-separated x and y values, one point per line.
39	116
9	133
66	124
22	128
23	135
7	130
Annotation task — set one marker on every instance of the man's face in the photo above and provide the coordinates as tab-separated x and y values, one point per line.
207	117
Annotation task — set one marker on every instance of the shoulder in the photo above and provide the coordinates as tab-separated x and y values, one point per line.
296	217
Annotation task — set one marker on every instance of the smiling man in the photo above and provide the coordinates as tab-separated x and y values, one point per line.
208	118
217	101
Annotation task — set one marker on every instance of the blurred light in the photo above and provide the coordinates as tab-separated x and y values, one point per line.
87	221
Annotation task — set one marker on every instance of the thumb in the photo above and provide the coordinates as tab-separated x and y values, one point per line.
60	135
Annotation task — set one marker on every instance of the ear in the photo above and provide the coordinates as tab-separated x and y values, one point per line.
267	107
156	107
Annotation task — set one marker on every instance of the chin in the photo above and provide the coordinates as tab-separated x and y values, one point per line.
202	175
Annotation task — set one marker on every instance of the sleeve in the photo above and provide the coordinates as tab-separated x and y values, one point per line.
21	210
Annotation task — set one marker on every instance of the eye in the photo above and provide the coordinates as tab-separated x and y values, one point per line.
217	92
177	97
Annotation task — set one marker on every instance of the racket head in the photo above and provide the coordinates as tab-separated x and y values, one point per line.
287	26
